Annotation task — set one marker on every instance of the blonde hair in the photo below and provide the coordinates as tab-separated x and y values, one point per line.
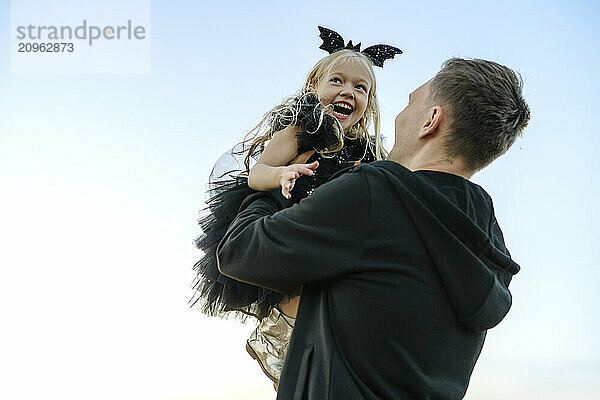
285	113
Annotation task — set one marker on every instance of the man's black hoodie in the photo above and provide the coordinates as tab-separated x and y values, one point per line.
402	273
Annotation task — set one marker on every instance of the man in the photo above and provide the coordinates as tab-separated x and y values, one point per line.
402	264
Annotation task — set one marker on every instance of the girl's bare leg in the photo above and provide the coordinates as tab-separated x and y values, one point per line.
289	306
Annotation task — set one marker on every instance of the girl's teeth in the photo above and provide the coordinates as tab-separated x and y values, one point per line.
343	108
340	116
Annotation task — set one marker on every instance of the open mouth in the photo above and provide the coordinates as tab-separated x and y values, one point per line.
342	110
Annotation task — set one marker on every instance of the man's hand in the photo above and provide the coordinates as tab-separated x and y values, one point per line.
289	174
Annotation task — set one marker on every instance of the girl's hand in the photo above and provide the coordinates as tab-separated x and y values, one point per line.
290	173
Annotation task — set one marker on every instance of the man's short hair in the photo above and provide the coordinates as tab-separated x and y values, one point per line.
487	109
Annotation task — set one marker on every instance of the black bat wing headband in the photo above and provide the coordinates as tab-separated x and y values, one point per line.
332	42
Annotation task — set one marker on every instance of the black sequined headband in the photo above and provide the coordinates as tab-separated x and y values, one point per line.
332	42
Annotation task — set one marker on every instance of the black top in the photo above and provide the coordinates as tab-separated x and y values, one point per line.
402	272
354	150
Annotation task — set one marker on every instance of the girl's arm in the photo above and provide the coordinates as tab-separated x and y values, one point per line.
272	169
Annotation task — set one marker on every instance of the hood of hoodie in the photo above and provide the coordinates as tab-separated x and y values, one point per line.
456	221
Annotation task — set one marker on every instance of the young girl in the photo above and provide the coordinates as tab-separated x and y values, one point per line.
301	143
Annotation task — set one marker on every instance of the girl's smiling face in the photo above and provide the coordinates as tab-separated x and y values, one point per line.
346	87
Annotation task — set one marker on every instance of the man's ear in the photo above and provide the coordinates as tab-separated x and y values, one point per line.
432	123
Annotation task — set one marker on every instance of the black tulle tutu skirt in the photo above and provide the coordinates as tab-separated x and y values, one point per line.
216	294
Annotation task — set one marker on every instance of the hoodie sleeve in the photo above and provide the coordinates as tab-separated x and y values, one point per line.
317	239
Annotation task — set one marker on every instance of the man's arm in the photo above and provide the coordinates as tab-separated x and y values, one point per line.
317	239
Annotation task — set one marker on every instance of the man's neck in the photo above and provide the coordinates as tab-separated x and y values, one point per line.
455	167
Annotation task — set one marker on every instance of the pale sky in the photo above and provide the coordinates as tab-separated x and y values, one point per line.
102	177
